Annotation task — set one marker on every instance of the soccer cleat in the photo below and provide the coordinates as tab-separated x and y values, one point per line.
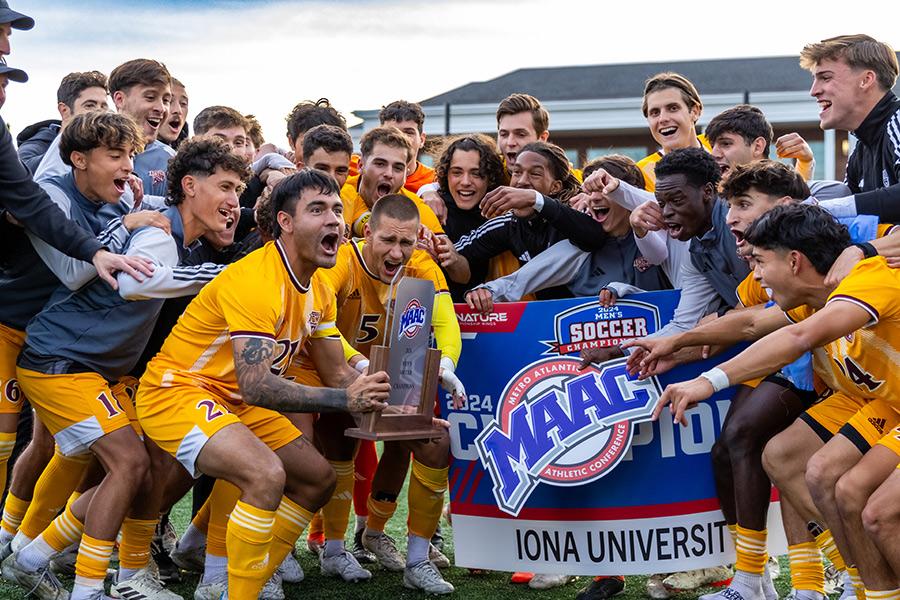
143	585
315	544
438	558
5	550
98	594
425	576
546	581
655	587
849	591
164	542
191	560
41	584
385	550
602	587
64	562
834	580
272	590
691	580
290	570
343	565
359	551
212	590
743	586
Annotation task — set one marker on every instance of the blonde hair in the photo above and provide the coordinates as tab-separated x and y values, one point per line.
859	51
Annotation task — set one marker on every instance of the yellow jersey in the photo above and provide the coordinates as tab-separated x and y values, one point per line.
750	292
362	299
864	363
356	213
258	296
647	165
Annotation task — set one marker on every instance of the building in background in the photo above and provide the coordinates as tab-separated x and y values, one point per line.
596	109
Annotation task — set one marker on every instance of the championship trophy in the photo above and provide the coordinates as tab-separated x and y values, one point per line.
412	365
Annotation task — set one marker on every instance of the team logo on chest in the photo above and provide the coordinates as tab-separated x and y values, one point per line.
412	319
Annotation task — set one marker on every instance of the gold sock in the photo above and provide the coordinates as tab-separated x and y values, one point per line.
249	538
427	486
806	567
52	491
751	551
336	513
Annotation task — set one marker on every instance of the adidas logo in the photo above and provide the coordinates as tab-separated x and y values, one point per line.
878	423
354	295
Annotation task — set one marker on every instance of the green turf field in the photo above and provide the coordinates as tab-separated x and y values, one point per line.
389	586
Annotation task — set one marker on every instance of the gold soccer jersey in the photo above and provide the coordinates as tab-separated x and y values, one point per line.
362	298
647	165
863	364
356	213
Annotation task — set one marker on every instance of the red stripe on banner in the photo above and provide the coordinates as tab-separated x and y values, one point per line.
475	483
462	486
452	483
647	511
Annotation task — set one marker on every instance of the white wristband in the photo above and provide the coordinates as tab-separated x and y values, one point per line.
361	365
717	378
447	364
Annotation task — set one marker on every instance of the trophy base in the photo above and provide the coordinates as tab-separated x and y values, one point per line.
397	427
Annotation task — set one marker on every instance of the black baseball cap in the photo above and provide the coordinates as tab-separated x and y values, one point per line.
12	73
15	19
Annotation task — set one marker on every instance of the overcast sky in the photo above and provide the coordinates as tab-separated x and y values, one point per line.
263	56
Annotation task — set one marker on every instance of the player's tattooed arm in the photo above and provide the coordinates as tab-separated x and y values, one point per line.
259	386
328	356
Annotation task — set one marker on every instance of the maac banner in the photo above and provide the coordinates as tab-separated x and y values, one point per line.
558	470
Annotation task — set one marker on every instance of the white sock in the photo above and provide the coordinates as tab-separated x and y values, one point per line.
360	522
215	568
20	541
416	550
192	538
35	555
5	536
334	547
86	590
126	574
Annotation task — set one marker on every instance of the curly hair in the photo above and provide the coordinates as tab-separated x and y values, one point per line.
490	163
559	166
307	114
696	164
769	177
402	110
619	166
100	129
201	157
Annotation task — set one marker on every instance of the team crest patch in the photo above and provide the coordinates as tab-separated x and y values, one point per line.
157	177
559	425
641	264
313	320
412	319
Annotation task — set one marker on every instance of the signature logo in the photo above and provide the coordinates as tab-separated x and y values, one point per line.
561	426
412	319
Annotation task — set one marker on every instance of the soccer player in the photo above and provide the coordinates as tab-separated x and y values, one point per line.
142	89
466	171
175	130
852	80
328	148
409	118
77	93
34	270
385	153
742	134
540	187
75	359
672	107
361	280
583	273
851	325
306	115
218	416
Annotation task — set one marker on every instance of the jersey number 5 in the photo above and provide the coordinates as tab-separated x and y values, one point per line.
368	329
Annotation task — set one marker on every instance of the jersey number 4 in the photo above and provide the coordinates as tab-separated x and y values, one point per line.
857	375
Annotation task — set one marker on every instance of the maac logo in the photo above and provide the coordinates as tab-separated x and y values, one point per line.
412	319
561	426
593	326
